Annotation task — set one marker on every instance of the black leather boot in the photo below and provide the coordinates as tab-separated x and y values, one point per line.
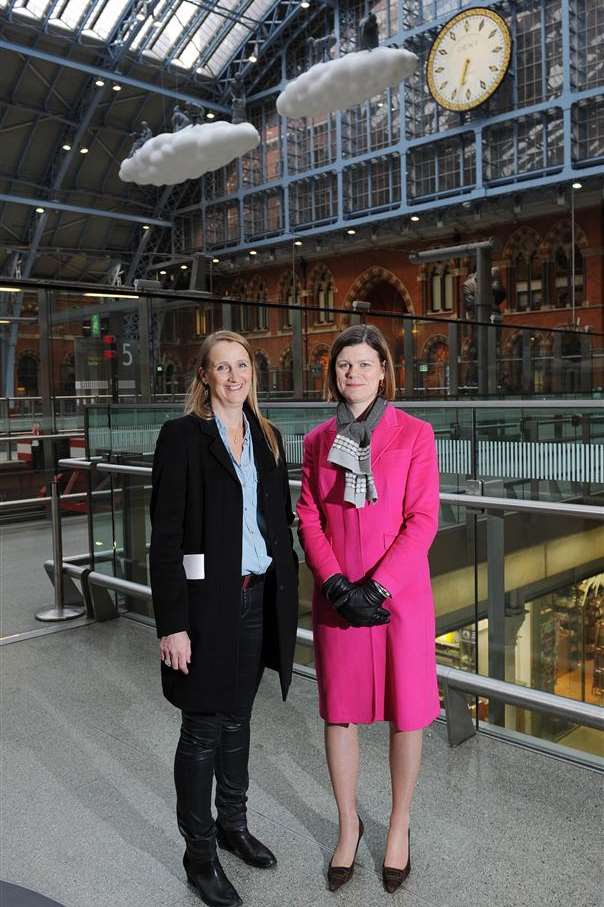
210	882
244	845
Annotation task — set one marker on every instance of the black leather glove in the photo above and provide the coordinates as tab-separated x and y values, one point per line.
362	605
336	586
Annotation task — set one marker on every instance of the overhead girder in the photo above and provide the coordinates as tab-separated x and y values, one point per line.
82	209
135	268
275	22
103	73
221	33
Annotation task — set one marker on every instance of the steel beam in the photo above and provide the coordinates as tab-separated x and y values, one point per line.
118	77
81	209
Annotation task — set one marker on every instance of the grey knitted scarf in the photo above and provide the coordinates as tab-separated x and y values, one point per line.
351	450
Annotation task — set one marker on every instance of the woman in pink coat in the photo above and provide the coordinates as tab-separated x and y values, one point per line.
368	514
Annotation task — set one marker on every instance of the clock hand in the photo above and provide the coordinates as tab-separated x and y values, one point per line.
464	72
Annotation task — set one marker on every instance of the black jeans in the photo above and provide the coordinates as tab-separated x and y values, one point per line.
219	745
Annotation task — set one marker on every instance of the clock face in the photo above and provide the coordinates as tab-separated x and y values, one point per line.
469	59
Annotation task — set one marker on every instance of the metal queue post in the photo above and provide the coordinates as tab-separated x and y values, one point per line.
59	611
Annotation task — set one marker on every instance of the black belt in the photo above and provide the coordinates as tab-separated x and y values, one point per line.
252	579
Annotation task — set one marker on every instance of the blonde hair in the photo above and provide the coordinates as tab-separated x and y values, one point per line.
198	401
362	333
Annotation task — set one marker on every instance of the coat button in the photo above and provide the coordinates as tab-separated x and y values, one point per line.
281	588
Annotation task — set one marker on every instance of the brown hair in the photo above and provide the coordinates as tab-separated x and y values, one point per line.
362	333
197	401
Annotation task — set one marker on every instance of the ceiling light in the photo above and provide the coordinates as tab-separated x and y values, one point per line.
99	83
4	321
210	115
253	252
253	57
414	218
297	242
163	273
84	150
116	87
577	185
380	103
146	227
216	261
39	210
304	4
351	232
10	290
111	296
184	267
140	17
66	147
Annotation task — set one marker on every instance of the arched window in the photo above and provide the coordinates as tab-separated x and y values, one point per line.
324	298
170	376
527	282
261	371
442	289
258	294
27	374
290	296
563	284
286	377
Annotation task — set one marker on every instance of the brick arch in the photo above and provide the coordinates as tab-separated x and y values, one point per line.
318	273
260	351
257	286
374	275
559	235
432	341
508	343
521	241
544	340
284	282
238	288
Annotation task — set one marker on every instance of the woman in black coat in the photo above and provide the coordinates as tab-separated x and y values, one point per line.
224	582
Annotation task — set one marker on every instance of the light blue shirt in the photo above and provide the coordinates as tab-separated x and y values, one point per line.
254	556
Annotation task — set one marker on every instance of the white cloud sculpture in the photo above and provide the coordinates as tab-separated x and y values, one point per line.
173	157
349	80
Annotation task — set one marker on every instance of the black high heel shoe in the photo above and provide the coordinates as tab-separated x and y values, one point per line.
339	875
394	878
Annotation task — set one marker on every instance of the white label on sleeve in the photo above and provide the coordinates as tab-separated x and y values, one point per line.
194	566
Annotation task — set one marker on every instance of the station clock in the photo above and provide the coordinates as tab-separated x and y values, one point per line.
469	59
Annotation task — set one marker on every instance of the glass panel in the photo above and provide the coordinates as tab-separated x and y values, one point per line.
106	21
540	614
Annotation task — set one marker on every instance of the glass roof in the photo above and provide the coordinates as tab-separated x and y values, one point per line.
199	35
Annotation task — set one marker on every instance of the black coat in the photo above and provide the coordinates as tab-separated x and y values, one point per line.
197	508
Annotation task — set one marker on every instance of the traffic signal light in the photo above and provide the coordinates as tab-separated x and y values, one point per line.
109	347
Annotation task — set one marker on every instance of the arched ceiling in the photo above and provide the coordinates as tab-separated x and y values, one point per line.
76	79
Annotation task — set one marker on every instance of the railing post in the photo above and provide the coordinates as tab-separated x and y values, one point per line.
59	612
453	332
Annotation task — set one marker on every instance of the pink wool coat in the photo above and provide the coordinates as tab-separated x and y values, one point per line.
385	673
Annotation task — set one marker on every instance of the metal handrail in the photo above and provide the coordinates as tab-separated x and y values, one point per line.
120	468
550	508
480	502
71	433
477	684
513	694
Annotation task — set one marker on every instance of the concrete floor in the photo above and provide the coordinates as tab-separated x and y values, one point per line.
88	802
24	585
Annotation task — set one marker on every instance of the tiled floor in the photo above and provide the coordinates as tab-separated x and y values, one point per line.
88	802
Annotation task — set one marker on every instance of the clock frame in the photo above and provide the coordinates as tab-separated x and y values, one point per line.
437	47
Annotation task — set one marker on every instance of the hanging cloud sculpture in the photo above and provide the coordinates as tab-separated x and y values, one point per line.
173	157
341	83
